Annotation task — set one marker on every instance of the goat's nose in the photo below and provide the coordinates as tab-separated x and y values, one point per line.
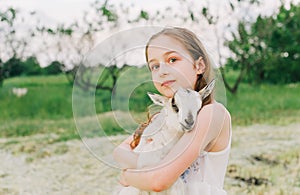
189	122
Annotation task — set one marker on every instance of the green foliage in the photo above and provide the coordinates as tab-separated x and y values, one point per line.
52	69
144	15
284	42
109	13
269	52
12	67
30	67
16	67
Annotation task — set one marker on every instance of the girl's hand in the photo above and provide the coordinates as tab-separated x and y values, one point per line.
124	155
122	180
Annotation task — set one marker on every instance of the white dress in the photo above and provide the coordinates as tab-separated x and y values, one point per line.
207	173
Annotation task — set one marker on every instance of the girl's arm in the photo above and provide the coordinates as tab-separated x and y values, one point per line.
209	123
124	155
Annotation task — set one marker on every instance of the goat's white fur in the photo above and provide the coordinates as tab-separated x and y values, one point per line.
166	129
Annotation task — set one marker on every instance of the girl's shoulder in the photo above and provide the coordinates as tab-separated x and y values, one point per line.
215	109
219	122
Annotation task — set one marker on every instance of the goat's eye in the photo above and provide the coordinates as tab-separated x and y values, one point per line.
174	106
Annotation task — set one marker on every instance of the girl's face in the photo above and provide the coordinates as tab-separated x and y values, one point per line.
171	65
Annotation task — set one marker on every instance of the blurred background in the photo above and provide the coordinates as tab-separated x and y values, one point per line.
255	45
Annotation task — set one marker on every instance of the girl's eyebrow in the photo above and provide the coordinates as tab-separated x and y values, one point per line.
165	54
169	52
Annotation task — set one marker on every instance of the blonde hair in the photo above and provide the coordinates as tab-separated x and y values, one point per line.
196	50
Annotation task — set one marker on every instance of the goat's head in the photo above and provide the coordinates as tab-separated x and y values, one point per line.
184	106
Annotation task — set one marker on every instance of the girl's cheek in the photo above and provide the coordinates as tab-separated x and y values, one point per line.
154	77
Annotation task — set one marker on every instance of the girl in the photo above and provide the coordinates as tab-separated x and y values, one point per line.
176	58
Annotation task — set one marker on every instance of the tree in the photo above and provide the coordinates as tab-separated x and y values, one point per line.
14	44
269	50
73	42
238	36
282	45
7	19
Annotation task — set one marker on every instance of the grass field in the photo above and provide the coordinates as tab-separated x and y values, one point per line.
47	107
39	127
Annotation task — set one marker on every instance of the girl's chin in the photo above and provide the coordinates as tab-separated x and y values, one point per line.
168	92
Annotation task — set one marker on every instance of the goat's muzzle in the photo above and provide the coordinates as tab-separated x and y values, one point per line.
186	127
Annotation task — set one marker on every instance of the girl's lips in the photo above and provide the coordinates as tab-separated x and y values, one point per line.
168	83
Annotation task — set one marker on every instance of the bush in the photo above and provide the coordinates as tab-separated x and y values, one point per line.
53	69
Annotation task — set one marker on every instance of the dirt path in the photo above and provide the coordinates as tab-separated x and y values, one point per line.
262	157
29	165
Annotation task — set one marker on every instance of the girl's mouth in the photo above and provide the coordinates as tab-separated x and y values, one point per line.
167	83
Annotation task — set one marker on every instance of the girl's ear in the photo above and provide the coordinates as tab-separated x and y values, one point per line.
158	99
200	65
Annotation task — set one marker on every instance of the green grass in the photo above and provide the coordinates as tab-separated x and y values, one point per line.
65	128
269	104
48	97
47	108
265	103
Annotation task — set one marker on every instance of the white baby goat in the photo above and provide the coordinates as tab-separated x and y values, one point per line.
177	116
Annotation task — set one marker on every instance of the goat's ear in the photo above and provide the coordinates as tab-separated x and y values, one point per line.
207	90
157	99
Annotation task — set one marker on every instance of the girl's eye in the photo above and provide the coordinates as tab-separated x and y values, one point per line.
154	67
172	60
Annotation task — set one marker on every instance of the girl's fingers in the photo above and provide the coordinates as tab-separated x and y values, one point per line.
122	179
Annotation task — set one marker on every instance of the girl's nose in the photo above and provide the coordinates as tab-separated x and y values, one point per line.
163	69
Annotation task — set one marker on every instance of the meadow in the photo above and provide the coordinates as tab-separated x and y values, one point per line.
38	130
47	107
